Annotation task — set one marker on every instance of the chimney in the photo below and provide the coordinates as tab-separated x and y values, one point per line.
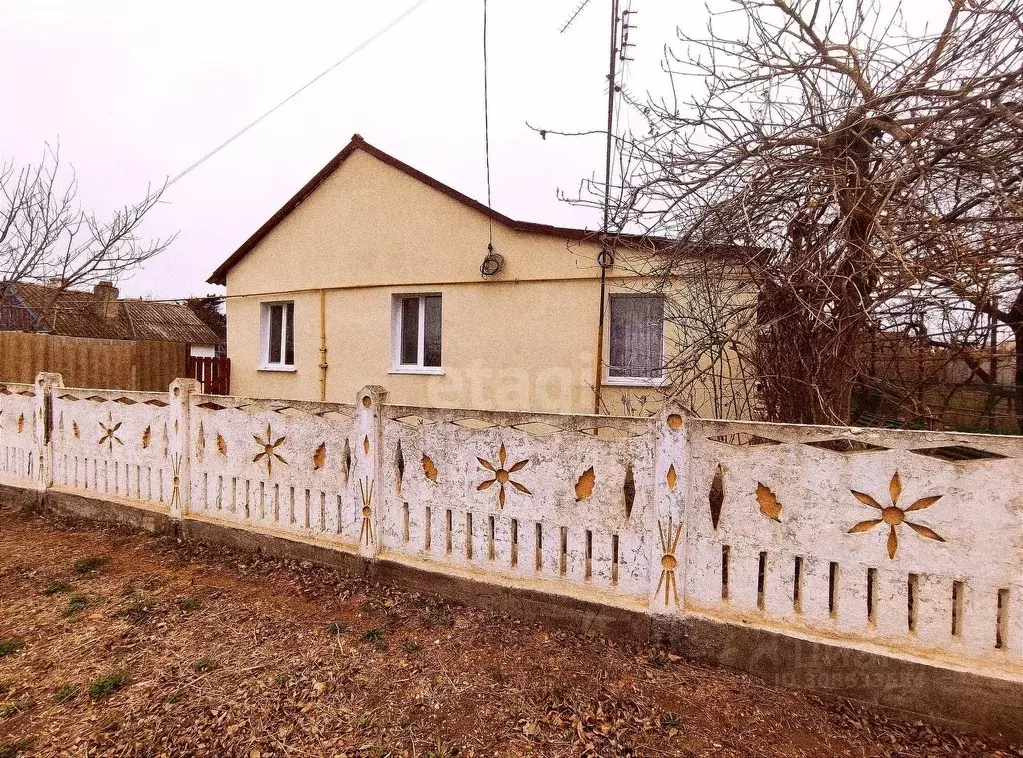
106	300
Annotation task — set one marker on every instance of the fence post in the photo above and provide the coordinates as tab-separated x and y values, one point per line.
179	446
368	467
43	431
668	558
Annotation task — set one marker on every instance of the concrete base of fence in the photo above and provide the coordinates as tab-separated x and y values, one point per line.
107	511
211	532
906	688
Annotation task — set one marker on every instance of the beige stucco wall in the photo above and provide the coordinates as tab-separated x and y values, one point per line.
523	340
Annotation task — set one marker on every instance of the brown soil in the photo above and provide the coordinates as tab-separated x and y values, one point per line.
228	655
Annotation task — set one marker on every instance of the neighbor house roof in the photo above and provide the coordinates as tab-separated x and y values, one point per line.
78	313
358	143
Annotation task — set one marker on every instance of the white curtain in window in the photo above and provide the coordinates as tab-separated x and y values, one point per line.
637	336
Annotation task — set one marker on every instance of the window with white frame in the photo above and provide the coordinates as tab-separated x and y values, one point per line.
417	332
278	335
636	350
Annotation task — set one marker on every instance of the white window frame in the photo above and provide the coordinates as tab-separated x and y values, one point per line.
265	364
630	381
397	367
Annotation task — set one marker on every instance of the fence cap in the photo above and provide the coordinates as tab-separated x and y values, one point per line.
49	379
185	387
371	395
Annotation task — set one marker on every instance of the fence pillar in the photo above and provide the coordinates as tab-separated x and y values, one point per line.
668	557
46	383
368	467
179	446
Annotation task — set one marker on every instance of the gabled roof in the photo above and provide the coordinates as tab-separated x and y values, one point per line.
77	313
358	143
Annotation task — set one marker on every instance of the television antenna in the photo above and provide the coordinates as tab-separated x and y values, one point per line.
618	53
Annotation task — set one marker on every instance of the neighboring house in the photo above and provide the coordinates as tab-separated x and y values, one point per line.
210	311
99	314
371	274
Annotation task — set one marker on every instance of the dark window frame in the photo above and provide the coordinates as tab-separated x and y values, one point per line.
632	355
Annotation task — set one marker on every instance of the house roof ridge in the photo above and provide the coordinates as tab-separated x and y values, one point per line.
358	142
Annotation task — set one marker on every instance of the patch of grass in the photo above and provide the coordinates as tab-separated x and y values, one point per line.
11	749
90	564
373	635
76	604
205	664
105	686
11	645
189	604
65	693
364	722
57	585
281	679
9	709
136	611
672	721
337	627
440	750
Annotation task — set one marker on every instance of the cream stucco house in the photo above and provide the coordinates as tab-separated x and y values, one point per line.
373	273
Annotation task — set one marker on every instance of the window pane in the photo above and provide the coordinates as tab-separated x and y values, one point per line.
655	344
636	336
431	335
273	352
289	334
410	330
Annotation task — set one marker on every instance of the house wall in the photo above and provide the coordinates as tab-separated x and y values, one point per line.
524	339
202	351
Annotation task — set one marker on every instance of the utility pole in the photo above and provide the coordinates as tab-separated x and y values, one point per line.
605	258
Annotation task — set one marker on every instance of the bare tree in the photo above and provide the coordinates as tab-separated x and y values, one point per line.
45	235
865	176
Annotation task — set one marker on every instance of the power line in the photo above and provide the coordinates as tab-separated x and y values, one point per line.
358	48
486	126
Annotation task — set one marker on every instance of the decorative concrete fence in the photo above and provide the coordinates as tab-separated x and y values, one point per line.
902	544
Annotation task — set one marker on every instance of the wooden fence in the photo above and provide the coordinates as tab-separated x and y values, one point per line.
141	365
214	374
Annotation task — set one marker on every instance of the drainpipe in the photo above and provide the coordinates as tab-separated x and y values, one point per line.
323	346
598	379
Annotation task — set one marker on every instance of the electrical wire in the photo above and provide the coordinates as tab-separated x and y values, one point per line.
486	127
358	48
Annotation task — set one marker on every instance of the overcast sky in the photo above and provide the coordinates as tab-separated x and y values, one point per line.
137	91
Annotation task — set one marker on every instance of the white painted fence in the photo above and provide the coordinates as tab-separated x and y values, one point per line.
892	541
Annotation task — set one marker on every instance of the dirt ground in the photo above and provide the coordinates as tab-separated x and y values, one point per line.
114	643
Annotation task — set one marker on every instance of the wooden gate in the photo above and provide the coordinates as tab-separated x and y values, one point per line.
213	373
